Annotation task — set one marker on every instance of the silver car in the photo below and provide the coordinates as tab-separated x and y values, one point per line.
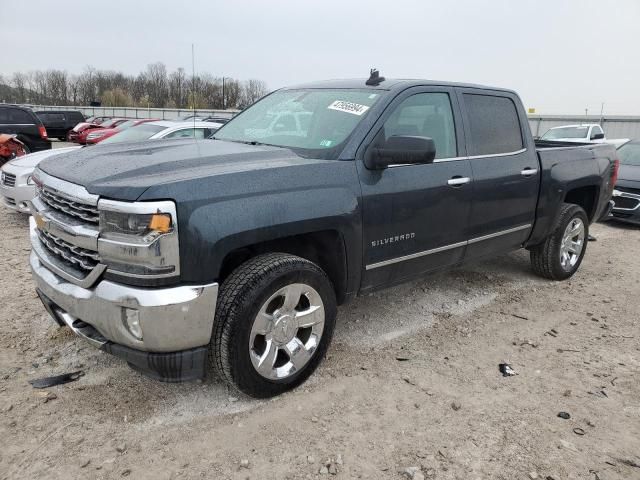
16	186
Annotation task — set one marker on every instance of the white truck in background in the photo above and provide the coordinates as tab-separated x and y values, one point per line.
583	133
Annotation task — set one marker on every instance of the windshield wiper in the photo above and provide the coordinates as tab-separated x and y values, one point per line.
246	142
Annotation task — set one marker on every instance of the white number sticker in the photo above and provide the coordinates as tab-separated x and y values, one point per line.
348	107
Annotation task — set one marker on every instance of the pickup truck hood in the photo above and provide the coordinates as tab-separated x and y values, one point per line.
124	171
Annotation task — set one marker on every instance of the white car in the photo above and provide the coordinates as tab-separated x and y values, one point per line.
163	129
16	187
583	133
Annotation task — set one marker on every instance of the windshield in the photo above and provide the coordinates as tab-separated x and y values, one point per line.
566	132
127	124
629	154
135	134
312	122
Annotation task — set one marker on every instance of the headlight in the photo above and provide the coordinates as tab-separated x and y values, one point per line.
139	239
30	180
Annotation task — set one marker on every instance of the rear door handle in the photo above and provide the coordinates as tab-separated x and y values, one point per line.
458	181
528	172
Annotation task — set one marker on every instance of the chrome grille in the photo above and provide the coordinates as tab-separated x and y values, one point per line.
8	179
78	257
73	208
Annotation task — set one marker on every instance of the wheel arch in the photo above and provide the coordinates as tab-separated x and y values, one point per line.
325	248
586	197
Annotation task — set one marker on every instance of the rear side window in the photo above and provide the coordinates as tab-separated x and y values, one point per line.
493	123
15	116
51	117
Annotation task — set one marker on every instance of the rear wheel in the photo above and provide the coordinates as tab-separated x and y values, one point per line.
561	254
273	325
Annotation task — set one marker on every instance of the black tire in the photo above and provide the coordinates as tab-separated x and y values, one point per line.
545	257
241	296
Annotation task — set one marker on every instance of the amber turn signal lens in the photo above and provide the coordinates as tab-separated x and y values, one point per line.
160	222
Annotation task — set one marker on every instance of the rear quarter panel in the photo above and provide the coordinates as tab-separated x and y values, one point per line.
565	169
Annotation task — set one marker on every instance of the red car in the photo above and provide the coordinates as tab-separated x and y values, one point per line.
92	122
96	135
114	122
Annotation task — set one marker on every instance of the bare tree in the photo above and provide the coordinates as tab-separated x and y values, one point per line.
19	83
157	84
177	88
57	86
154	87
252	90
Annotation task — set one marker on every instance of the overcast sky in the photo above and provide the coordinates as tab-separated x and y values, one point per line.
561	56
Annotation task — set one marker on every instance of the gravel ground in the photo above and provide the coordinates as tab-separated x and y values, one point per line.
410	388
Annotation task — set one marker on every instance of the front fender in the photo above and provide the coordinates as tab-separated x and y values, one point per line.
223	213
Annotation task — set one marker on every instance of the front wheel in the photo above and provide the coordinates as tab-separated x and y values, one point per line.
561	254
274	322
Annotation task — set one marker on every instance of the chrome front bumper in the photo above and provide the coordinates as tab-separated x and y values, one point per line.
172	319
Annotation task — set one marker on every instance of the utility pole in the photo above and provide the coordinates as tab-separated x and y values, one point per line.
223	99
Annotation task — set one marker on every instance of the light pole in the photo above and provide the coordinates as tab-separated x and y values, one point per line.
223	98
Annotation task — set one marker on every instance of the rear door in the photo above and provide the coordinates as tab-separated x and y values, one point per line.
506	175
415	217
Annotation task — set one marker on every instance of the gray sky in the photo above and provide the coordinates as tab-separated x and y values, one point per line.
562	56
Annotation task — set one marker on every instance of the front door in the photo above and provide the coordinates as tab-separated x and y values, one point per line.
415	217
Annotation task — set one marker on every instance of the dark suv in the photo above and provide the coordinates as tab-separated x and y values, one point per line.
26	125
59	122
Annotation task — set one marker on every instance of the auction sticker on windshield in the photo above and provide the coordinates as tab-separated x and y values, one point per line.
348	107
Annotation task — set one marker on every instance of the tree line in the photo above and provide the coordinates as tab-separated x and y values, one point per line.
154	87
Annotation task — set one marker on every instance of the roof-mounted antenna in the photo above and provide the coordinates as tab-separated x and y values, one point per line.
374	78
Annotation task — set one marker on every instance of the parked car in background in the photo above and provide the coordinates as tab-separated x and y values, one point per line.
75	132
26	126
60	122
107	124
164	129
626	195
99	120
230	255
97	135
205	118
16	185
584	133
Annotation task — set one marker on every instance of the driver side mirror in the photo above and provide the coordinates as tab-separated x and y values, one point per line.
401	149
597	136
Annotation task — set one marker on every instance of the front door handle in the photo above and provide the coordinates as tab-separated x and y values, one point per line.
528	172
458	181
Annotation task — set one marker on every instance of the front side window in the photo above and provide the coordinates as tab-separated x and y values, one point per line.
425	115
596	130
187	133
493	124
311	122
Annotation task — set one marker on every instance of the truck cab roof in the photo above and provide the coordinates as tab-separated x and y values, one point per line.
391	84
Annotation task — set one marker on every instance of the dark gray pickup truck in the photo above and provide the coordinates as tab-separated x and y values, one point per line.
230	255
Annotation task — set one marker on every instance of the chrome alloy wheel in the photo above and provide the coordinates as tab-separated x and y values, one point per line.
572	244
287	331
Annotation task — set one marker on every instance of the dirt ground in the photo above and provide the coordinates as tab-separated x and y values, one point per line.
411	380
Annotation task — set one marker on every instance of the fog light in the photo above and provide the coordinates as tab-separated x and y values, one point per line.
131	320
